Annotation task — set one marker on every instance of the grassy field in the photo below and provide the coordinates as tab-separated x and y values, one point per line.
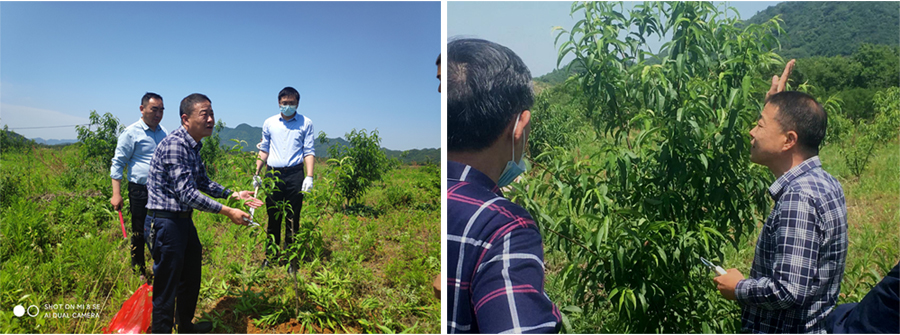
369	267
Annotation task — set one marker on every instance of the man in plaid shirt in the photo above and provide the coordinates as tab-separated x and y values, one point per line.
495	254
176	178
796	274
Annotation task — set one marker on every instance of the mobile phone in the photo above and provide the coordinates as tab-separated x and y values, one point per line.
712	267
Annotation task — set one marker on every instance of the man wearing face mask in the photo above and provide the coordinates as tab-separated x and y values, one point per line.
287	146
494	249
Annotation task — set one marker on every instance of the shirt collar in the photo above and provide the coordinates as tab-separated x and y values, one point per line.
797	171
190	140
281	117
466	173
145	127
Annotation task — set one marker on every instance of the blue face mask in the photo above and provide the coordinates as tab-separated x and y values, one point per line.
288	110
513	169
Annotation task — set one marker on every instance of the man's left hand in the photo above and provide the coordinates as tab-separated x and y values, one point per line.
728	282
248	195
307	184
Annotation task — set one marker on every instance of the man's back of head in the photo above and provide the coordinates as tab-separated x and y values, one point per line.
488	85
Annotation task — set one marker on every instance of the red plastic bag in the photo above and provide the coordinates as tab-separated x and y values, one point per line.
135	315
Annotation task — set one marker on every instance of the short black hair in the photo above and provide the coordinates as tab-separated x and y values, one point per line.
804	115
187	104
288	91
438	61
488	86
149	95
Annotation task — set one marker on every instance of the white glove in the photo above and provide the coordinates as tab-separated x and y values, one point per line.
257	181
307	184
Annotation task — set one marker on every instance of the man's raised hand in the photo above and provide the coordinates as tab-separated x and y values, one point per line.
779	83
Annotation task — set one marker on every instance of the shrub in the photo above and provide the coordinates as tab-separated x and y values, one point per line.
671	179
397	196
212	153
99	146
362	163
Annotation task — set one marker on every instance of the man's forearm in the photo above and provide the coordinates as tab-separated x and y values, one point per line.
117	186
261	160
310	162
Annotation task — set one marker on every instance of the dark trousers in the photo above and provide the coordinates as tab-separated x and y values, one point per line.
286	190
877	313
177	260
137	193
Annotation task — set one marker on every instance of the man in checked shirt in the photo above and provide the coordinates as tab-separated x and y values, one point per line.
796	274
495	254
177	175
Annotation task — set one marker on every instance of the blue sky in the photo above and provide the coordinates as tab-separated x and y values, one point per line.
356	64
526	27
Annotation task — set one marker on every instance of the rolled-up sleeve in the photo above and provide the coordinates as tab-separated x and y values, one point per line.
798	239
310	141
266	137
124	151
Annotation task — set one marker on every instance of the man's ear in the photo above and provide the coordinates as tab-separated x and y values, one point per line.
184	118
790	140
524	121
141	108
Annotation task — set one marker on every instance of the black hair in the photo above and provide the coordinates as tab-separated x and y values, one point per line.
804	115
438	61
288	91
150	95
488	86
187	104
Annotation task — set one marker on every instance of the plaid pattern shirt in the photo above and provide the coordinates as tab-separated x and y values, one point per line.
177	175
799	262
495	260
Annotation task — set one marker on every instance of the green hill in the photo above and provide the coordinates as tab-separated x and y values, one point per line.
818	29
833	28
252	136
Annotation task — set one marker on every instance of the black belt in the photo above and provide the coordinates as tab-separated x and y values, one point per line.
294	168
136	185
170	215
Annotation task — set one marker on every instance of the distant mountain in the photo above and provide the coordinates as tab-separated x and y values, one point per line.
833	28
252	136
53	141
815	29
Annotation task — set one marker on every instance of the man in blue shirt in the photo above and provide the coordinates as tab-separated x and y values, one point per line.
286	147
495	255
134	149
799	263
176	178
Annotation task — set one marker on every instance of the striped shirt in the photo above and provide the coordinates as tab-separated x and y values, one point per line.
134	149
796	275
495	260
177	175
287	141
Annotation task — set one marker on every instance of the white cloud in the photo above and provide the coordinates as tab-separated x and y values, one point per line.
27	117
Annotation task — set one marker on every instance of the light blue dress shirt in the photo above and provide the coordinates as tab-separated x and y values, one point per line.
287	141
134	149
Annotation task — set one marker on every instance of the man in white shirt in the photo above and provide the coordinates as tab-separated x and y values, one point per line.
286	147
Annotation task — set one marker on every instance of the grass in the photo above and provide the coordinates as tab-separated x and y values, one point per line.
370	272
